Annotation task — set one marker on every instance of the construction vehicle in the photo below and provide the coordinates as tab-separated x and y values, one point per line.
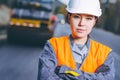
30	21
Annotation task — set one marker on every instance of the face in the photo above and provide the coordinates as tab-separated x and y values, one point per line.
81	24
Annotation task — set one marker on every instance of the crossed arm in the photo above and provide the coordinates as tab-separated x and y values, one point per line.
48	69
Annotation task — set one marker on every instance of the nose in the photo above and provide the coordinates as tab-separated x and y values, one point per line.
81	22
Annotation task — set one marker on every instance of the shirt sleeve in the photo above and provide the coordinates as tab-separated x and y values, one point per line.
106	71
47	64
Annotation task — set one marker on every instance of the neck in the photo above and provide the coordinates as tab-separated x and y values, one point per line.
80	40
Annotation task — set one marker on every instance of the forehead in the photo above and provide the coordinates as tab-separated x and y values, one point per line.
87	15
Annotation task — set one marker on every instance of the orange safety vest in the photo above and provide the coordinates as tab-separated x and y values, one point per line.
96	56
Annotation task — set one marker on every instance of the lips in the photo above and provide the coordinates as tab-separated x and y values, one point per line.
80	30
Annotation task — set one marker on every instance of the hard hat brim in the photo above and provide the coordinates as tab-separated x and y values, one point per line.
92	12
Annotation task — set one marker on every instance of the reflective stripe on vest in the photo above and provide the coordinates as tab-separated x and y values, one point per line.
96	56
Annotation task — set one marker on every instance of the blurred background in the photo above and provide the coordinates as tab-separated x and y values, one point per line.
25	25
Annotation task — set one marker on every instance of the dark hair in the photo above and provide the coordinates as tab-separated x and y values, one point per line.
68	13
96	19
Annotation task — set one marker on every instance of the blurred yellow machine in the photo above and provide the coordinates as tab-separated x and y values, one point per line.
30	21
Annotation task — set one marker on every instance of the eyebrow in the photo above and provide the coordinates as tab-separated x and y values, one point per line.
85	14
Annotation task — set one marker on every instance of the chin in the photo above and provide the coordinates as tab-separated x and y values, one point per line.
81	36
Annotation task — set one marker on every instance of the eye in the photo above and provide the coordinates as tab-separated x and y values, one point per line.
76	16
89	18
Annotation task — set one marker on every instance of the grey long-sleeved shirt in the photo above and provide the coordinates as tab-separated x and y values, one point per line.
48	64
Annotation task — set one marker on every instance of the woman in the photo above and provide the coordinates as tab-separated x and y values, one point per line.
78	56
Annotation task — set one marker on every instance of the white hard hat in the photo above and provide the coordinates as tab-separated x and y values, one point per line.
84	6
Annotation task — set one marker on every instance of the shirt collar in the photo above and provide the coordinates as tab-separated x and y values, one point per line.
72	41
